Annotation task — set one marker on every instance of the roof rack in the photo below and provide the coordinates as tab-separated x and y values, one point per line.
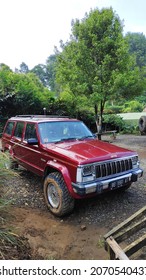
40	116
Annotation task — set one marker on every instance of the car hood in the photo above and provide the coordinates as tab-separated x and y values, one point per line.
88	151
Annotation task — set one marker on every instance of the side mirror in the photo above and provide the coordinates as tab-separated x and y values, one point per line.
32	141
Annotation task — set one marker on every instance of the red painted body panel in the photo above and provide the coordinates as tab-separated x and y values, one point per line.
88	151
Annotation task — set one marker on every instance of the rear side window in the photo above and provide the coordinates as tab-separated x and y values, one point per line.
9	128
30	131
19	129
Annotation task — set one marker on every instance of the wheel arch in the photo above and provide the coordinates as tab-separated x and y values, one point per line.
57	167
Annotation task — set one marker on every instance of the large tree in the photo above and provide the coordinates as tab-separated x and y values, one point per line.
95	61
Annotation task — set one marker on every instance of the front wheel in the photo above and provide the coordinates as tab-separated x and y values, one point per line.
57	196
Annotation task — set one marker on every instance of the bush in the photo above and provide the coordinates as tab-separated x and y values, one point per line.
133	106
113	109
113	122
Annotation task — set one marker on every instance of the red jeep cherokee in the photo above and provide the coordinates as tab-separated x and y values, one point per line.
73	163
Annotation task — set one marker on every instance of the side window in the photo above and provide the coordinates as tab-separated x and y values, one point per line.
30	131
9	128
19	129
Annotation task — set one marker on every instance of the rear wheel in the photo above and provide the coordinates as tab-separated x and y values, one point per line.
57	196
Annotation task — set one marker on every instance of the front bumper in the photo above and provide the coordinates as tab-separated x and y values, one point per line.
107	184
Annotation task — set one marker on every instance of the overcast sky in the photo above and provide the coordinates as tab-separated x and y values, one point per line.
29	29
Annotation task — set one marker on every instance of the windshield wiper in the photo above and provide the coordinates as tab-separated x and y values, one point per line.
65	139
86	137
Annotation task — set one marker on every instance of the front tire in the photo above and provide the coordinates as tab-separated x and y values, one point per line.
57	196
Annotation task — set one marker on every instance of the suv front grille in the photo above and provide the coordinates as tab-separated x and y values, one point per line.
113	167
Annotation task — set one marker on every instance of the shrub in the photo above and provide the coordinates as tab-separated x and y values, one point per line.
113	109
133	106
112	121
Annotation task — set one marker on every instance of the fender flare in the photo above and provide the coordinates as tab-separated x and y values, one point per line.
63	170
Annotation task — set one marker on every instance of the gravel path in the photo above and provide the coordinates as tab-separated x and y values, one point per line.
108	209
90	220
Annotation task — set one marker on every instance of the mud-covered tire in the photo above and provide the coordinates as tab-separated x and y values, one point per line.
142	125
57	196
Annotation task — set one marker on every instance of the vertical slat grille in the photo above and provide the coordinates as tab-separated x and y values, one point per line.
113	167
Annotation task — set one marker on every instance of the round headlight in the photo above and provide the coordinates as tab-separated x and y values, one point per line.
88	170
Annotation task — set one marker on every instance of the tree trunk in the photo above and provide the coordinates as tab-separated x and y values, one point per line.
98	122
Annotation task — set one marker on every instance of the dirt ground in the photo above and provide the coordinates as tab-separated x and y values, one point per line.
79	235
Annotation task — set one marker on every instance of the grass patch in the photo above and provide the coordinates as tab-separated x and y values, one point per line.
11	245
100	243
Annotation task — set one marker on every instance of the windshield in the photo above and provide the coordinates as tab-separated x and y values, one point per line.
51	132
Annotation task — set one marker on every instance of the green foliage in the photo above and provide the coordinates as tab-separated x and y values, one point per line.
22	93
75	104
5	162
24	68
101	242
6	237
7	83
142	99
129	129
96	61
4	159
40	71
51	72
113	122
2	124
133	106
47	73
137	47
114	109
98	66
